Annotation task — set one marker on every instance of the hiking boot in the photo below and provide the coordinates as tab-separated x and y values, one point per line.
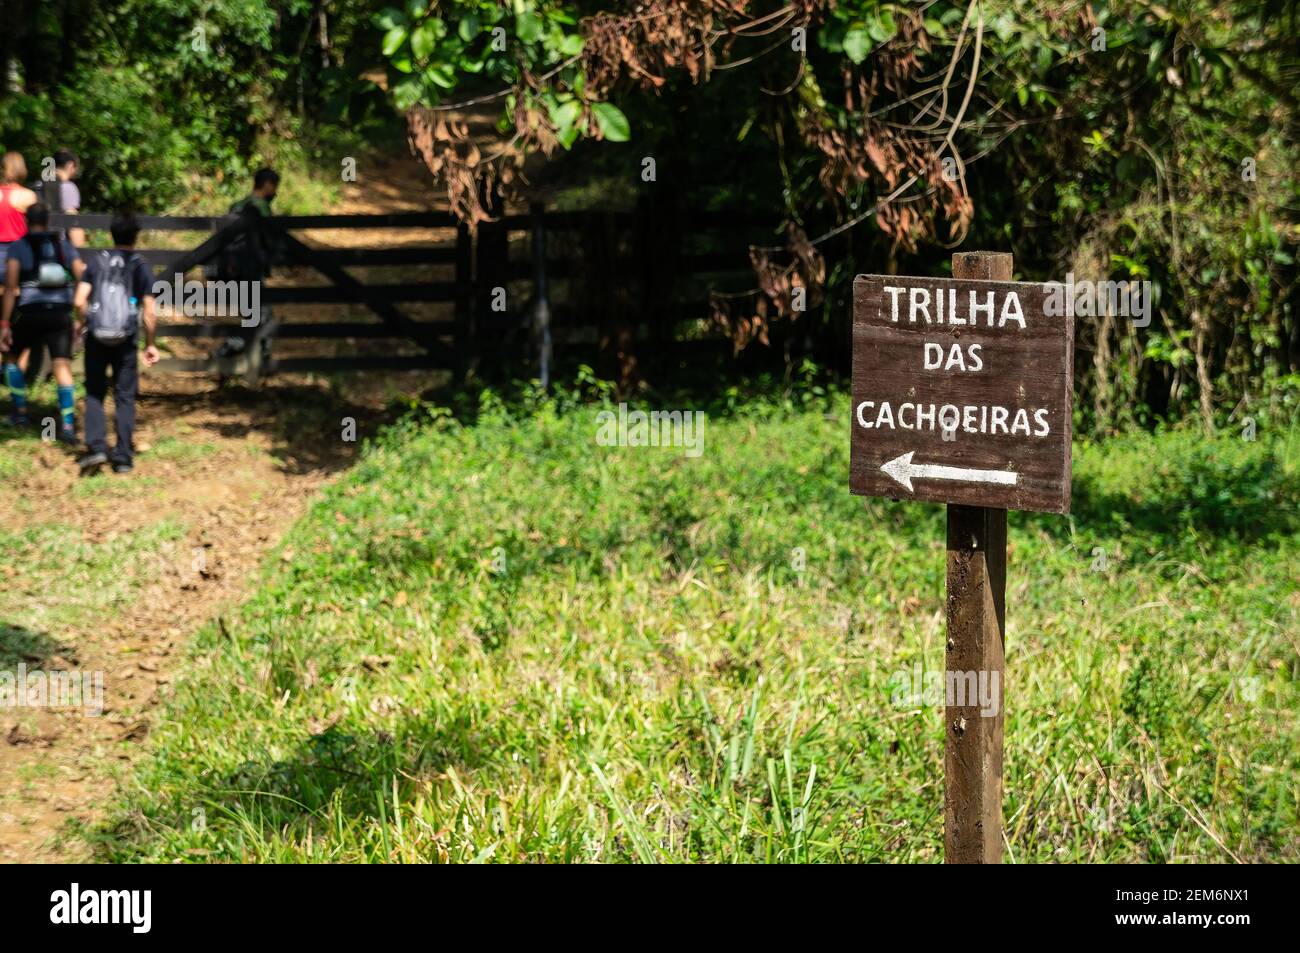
92	461
122	466
67	435
18	419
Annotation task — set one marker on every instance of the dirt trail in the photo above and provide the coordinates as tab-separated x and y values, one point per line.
223	474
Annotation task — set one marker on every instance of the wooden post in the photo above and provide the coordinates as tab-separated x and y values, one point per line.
466	357
657	243
962	395
977	572
491	271
541	295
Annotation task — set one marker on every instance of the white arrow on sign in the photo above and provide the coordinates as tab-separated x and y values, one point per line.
902	470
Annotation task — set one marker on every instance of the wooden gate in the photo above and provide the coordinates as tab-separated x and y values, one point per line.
579	283
440	341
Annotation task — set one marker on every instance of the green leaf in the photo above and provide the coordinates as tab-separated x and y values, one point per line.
423	39
831	37
564	115
528	27
394	39
571	45
1154	54
469	27
441	75
407	93
857	44
390	17
882	27
568	135
613	124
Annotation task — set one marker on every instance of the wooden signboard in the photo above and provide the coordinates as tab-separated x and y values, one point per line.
961	393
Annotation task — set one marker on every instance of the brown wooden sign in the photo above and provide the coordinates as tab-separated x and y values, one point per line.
962	393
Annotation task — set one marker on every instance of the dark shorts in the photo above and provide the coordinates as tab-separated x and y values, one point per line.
48	327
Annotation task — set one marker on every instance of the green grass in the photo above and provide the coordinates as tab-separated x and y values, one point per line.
499	641
18	455
56	582
20	446
183	447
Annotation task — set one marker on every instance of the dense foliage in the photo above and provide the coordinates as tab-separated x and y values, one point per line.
1109	139
162	97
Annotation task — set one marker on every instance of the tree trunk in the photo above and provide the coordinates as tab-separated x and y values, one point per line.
1101	397
1203	372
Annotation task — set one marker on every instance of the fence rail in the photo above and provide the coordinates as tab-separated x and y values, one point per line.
623	277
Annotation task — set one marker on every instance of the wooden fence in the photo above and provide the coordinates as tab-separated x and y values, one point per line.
526	286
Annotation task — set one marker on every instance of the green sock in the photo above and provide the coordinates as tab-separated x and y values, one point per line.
67	401
17	387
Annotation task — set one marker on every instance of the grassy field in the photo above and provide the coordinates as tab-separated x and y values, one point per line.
495	640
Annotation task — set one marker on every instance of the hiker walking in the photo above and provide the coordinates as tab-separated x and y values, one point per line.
62	197
114	298
15	200
247	257
40	270
61	193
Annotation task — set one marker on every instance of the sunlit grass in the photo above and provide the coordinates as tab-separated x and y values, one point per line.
501	641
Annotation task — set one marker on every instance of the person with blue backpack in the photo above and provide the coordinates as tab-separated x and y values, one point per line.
114	299
40	271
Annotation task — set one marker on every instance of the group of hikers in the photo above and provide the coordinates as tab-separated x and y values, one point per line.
58	294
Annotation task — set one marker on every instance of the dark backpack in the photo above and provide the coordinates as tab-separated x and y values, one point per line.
51	193
114	313
49	267
244	258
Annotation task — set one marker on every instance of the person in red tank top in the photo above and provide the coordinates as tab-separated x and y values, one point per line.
15	198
